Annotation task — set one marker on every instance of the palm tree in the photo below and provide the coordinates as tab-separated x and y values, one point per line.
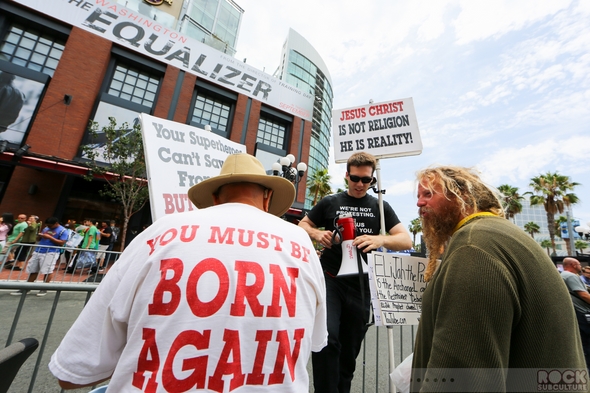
510	200
552	190
581	245
318	185
415	228
546	244
532	228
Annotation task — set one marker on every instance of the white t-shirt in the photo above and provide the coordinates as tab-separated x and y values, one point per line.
227	298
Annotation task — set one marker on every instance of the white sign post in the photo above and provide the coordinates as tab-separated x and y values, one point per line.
177	157
387	129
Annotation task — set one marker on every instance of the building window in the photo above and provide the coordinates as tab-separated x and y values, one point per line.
32	48
271	132
133	85
211	111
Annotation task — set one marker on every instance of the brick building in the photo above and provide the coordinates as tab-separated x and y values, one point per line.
78	61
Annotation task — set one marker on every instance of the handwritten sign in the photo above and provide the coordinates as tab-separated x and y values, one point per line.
397	284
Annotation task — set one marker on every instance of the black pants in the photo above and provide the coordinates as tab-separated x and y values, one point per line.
333	366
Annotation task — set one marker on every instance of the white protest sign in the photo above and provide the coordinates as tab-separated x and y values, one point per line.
139	33
177	157
397	284
387	129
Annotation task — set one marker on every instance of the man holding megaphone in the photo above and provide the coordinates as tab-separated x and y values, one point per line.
351	222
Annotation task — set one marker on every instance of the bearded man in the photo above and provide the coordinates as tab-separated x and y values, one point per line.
495	309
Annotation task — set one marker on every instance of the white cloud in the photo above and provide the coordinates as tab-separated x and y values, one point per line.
406	187
499	85
518	165
479	20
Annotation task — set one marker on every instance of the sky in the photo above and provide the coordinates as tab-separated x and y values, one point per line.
502	86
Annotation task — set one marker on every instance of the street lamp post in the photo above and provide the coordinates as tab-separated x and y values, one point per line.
284	168
583	230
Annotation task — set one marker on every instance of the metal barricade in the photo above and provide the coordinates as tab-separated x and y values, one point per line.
48	319
42	319
69	267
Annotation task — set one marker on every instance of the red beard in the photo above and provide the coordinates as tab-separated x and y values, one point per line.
437	229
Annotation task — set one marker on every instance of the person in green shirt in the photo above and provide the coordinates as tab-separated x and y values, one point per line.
90	241
87	258
29	237
16	237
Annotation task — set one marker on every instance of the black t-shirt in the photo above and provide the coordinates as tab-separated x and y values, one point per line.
106	240
365	212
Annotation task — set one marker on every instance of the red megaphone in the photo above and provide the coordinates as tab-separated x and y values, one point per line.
347	229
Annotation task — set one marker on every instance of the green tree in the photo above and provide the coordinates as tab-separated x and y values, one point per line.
415	228
532	228
553	191
318	185
125	170
510	200
547	244
339	190
581	245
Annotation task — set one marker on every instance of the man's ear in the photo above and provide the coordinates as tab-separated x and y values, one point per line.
267	196
216	200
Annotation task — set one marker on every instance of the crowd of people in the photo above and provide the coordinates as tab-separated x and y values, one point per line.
28	244
230	297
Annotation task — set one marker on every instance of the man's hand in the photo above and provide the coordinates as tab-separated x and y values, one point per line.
367	243
322	237
397	240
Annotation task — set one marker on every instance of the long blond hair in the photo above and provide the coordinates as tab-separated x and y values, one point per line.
464	186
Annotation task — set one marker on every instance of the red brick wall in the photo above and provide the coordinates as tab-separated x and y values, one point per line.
239	118
58	129
166	92
184	100
301	190
18	200
253	126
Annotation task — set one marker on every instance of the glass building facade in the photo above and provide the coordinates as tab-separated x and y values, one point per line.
302	67
213	22
538	215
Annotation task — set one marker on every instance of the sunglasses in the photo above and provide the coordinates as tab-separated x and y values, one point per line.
364	179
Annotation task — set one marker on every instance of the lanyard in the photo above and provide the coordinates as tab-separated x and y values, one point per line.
471	217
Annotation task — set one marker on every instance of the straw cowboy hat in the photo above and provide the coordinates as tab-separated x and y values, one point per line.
244	168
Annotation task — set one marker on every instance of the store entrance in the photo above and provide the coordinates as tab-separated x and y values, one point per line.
85	201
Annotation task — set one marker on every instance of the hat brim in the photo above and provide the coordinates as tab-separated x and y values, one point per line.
201	194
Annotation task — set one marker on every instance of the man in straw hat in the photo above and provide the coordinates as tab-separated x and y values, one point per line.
225	298
496	315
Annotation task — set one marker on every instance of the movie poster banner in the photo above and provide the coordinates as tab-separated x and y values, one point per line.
387	129
177	157
397	284
139	33
20	93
